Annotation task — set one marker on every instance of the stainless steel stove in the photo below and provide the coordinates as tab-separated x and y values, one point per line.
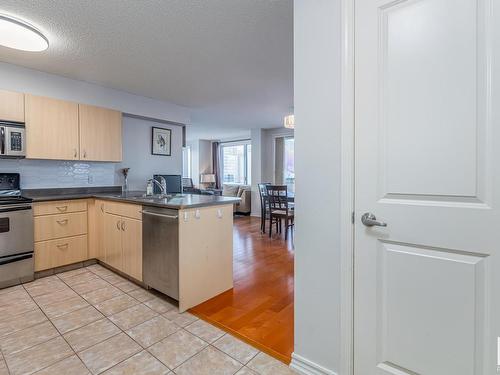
16	232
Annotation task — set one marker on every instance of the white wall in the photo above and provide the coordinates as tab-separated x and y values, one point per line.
268	151
257	166
201	159
137	153
204	157
47	173
317	80
21	79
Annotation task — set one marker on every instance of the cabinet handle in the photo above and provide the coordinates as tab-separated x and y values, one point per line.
75	153
102	207
62	222
118	225
84	154
123	225
63	246
62	208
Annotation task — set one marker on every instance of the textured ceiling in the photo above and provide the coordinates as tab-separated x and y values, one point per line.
230	61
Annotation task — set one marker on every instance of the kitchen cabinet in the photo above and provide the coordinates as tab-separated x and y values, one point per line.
59	252
132	247
113	241
96	229
11	106
60	232
123	238
51	128
100	134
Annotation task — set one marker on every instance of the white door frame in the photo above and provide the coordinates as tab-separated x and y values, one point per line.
347	191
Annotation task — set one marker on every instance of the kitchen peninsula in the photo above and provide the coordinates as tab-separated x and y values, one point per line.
180	245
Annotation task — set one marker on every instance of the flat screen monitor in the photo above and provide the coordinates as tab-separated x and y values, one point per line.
174	183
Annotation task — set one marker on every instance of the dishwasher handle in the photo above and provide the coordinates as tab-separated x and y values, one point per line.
173	217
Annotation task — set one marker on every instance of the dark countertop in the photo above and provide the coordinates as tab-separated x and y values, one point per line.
114	193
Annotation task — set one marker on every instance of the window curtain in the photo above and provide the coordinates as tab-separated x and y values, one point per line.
279	153
216	164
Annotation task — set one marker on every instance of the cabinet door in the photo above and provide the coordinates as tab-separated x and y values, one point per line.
99	230
100	134
132	247
51	128
113	241
96	229
11	106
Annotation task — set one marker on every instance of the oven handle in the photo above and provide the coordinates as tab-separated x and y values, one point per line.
15	258
2	140
14	208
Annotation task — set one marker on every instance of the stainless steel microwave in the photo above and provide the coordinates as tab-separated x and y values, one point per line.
12	140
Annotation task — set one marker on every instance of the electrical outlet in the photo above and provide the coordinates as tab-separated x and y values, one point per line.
197	214
90	179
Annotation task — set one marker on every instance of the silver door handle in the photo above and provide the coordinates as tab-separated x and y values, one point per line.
175	217
123	225
118	225
370	220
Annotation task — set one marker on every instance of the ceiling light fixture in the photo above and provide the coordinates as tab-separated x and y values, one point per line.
289	122
19	35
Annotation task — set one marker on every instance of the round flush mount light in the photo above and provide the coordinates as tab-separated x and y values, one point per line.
17	34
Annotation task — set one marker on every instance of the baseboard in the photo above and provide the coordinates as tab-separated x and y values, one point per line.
306	367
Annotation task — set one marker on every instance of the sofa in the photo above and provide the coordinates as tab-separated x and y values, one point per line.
240	191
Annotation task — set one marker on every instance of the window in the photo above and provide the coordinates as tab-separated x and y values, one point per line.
186	161
289	164
236	163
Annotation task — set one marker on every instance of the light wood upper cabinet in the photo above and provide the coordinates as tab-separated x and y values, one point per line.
11	106
100	133
132	247
51	128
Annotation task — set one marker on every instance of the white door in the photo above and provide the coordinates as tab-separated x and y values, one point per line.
427	286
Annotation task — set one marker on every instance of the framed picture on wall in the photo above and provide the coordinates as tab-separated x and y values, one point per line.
161	141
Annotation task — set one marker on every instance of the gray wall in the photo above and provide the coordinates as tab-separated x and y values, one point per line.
137	153
51	173
317	80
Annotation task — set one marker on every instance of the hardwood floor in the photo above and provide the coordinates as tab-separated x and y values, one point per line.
259	309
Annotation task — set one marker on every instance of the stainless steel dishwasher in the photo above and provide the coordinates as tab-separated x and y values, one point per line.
160	250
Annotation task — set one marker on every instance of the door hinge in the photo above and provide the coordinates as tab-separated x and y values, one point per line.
352	217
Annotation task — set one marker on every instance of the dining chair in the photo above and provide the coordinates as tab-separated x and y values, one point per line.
264	211
279	208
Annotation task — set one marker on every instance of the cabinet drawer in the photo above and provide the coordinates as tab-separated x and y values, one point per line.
56	253
59	207
132	211
57	226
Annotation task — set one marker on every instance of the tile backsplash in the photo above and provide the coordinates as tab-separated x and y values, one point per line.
56	173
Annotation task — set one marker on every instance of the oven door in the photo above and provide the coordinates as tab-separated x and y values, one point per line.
16	229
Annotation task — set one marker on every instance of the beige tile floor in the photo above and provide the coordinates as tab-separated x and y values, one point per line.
92	321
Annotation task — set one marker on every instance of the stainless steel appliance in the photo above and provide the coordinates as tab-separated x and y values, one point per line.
12	140
160	250
16	233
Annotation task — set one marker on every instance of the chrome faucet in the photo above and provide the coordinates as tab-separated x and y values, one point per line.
162	185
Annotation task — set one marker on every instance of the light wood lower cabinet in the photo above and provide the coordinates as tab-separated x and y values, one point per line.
123	239
96	229
132	247
113	241
55	253
61	229
57	226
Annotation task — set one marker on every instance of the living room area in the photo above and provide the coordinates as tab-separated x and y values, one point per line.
259	309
